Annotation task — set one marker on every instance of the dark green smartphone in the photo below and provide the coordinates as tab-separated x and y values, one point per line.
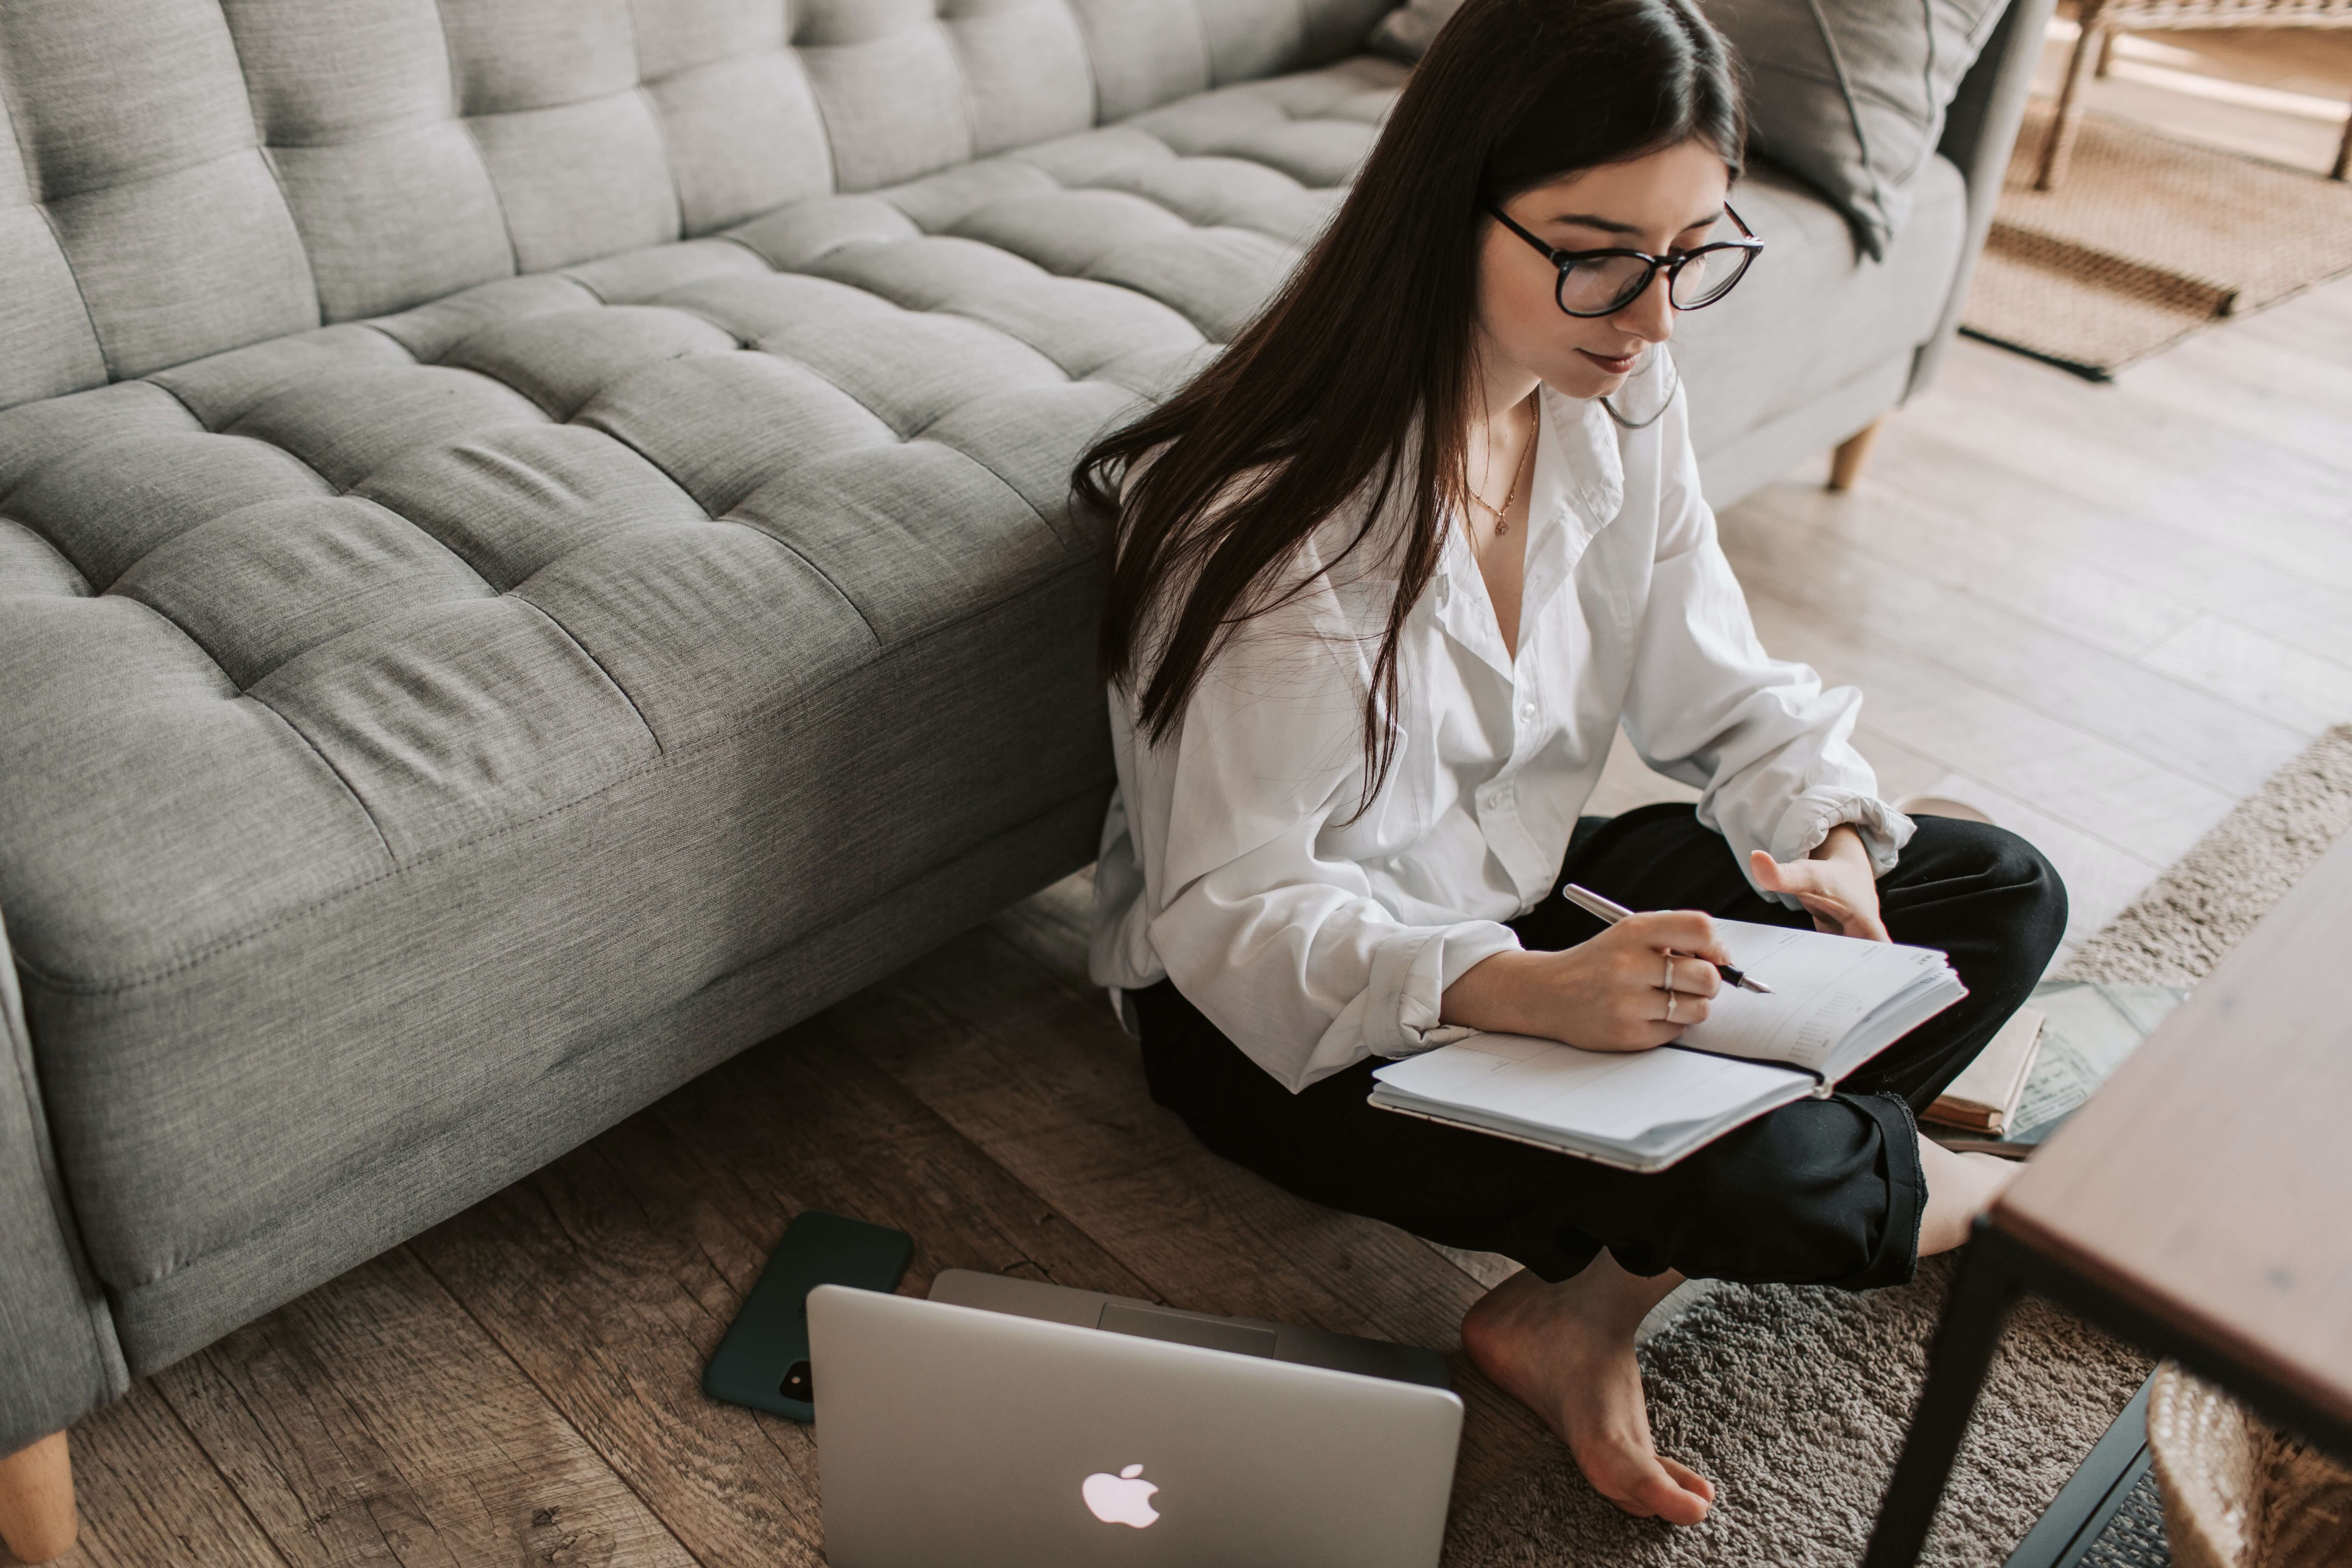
763	1361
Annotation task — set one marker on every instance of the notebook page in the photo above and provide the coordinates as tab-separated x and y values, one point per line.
1617	1096
1822	985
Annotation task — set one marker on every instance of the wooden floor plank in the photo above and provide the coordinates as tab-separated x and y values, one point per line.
2245	666
2138	805
1037	1074
1915	459
2317	324
1955	553
609	1281
149	1495
2294	526
611	1275
2274	391
2231	489
371	1421
2142	710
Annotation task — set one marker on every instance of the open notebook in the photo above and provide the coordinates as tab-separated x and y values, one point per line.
1836	1003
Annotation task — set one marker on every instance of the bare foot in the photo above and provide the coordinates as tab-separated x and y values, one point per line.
1566	1352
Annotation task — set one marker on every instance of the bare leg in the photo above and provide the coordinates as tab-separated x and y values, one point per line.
1960	1188
1566	1352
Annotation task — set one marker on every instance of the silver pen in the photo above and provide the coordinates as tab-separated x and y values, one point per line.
1593	903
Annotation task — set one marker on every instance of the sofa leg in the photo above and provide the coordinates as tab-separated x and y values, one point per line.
37	1501
1845	463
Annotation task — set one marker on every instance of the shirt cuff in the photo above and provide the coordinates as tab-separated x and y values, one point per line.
1885	830
1411	971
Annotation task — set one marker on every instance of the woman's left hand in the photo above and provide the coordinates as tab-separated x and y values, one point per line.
1835	883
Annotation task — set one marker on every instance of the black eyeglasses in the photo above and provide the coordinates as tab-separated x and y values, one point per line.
1603	282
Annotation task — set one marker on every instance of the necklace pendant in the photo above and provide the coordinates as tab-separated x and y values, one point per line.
1501	528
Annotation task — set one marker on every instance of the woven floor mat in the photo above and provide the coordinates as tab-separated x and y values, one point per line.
2146	240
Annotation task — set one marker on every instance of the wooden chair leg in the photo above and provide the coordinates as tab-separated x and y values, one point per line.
2343	153
2068	118
2106	54
1845	463
37	1501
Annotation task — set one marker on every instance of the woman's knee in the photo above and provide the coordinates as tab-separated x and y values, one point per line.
1993	865
1821	1192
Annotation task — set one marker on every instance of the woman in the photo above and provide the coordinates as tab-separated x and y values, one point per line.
1388	577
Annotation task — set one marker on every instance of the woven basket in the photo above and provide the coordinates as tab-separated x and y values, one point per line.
2237	1494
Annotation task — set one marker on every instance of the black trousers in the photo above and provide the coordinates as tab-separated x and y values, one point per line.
1824	1191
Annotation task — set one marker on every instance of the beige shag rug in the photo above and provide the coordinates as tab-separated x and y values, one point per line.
1795	1399
2145	240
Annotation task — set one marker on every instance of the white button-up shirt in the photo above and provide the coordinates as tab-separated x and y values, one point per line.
1228	861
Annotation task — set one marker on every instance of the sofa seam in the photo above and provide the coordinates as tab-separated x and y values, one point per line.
482	156
97	339
565	632
202	424
277	183
643	93
729	519
64	985
960	58
328	763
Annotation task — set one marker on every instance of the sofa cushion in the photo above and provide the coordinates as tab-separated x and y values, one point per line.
397	710
181	177
1813	314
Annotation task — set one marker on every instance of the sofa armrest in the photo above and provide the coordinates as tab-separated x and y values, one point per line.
58	1356
1979	128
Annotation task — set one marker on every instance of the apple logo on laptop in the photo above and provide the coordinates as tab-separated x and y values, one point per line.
1123	1498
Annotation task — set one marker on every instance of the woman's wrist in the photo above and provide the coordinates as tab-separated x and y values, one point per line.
1499	994
1845	842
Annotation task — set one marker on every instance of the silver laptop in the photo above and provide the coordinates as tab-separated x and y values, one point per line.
1008	1422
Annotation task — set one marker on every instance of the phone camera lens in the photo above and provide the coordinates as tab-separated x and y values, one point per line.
797	1383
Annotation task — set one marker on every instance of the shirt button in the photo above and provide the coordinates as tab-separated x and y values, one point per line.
1528	710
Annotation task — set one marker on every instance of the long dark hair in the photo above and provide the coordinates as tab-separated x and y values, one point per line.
1367	350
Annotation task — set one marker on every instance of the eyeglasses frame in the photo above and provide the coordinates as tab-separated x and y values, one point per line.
1567	260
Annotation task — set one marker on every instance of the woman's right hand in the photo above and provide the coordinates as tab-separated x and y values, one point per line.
1605	994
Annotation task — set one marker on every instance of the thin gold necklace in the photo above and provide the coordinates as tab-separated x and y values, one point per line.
1502	517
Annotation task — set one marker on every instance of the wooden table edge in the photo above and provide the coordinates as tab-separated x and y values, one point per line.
2222	1338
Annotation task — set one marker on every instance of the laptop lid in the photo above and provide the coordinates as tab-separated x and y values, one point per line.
1247	1336
948	1434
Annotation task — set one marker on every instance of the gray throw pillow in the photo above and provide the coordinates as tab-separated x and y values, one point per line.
1848	94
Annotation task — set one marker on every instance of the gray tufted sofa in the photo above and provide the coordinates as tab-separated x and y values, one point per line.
534	551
